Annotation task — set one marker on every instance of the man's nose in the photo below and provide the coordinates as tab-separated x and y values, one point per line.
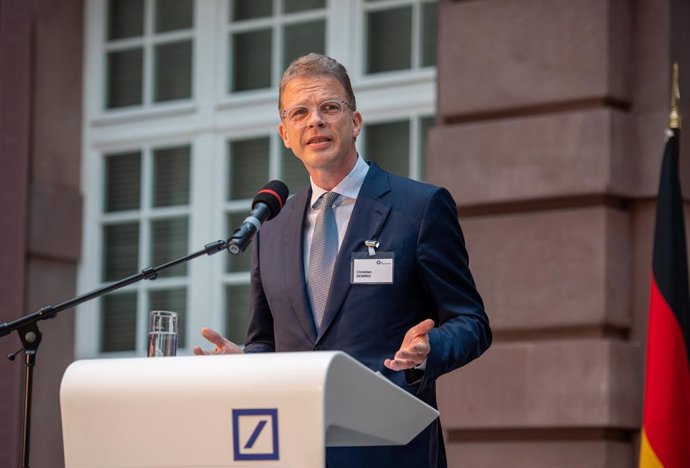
315	119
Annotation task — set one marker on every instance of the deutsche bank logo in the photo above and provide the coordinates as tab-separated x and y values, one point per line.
255	434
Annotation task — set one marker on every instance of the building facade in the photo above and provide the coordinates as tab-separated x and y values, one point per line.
137	131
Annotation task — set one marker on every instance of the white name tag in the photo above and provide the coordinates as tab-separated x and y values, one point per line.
376	269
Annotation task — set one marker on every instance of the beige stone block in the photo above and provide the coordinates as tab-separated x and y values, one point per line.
557	155
588	383
57	93
55	222
505	54
552	269
541	454
643	219
651	67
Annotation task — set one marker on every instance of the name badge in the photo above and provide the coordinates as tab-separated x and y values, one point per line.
372	269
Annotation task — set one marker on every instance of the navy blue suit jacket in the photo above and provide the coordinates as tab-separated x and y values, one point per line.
418	223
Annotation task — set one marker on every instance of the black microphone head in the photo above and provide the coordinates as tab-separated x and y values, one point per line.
273	194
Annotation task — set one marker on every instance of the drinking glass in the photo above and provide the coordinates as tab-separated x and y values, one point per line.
163	333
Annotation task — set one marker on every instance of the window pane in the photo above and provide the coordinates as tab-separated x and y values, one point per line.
118	322
388	144
428	35
125	74
173	71
237	312
174	14
169	242
248	167
174	300
122	181
251	60
389	40
243	261
125	18
292	6
171	176
293	172
120	250
302	38
248	9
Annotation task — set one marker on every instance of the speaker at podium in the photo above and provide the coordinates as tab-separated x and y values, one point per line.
253	410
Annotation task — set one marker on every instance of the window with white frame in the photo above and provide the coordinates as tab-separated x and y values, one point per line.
400	35
148	52
249	163
145	222
398	145
264	36
181	100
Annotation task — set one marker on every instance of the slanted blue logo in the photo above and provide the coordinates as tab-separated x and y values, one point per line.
255	434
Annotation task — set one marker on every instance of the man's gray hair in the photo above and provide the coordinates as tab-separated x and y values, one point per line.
318	65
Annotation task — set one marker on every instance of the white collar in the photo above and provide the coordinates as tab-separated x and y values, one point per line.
348	187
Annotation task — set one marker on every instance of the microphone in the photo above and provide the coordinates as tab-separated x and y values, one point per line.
266	205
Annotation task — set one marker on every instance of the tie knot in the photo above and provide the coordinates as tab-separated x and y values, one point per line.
328	198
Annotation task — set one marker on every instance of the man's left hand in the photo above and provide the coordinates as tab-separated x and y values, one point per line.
414	349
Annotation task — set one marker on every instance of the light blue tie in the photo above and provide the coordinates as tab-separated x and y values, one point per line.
324	249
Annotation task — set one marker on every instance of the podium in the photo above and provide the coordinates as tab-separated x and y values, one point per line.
252	410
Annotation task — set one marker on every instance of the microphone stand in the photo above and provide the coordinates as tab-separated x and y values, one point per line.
30	336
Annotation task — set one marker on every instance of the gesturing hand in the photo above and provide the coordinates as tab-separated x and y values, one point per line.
414	348
223	345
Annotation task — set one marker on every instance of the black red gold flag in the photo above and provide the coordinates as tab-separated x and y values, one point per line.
666	415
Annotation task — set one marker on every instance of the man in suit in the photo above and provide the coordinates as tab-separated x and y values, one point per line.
414	316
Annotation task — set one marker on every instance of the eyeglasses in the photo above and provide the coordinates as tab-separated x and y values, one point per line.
330	111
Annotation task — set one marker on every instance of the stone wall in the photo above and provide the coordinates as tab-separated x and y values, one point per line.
549	134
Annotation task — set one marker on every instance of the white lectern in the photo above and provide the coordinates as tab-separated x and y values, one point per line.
254	410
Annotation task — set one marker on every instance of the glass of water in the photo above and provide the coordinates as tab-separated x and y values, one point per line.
163	333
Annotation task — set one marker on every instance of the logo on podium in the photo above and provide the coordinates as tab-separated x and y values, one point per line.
255	433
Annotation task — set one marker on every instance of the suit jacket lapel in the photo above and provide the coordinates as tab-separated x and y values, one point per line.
293	250
368	217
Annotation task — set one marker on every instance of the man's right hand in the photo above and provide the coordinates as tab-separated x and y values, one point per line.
223	345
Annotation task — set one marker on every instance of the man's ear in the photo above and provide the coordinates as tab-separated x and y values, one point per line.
283	134
356	124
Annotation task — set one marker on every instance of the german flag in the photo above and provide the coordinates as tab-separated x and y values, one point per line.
666	416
